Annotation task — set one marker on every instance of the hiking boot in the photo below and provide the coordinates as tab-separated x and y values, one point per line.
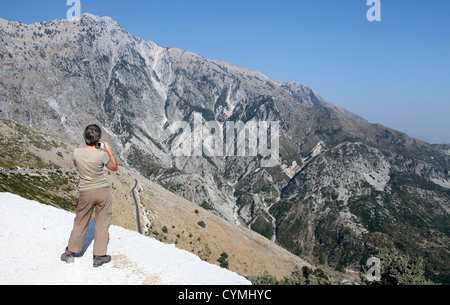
100	260
68	257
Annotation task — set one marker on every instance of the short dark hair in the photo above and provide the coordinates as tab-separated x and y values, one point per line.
92	135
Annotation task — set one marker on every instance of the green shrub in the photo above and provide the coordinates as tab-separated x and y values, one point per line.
265	279
300	276
397	269
223	260
306	276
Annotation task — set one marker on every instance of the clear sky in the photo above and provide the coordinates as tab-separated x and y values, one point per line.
395	72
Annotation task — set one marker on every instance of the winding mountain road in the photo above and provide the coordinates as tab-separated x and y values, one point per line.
136	205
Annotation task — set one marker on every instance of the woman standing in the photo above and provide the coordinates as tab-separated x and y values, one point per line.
94	195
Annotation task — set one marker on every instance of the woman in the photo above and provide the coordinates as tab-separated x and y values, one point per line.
94	195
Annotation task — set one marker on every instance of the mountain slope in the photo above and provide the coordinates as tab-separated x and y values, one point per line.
335	169
46	177
34	236
356	202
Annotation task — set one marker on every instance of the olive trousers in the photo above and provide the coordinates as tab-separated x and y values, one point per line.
100	201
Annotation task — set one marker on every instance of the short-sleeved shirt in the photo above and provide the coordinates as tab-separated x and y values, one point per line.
90	164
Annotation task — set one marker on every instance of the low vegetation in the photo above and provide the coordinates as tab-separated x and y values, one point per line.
395	269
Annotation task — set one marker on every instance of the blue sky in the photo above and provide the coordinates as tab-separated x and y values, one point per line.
395	72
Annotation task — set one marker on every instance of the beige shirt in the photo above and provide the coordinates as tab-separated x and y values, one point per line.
90	164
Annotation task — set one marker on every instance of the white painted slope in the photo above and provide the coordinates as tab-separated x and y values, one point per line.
33	237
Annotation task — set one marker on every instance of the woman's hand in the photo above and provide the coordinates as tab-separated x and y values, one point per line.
107	148
112	164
